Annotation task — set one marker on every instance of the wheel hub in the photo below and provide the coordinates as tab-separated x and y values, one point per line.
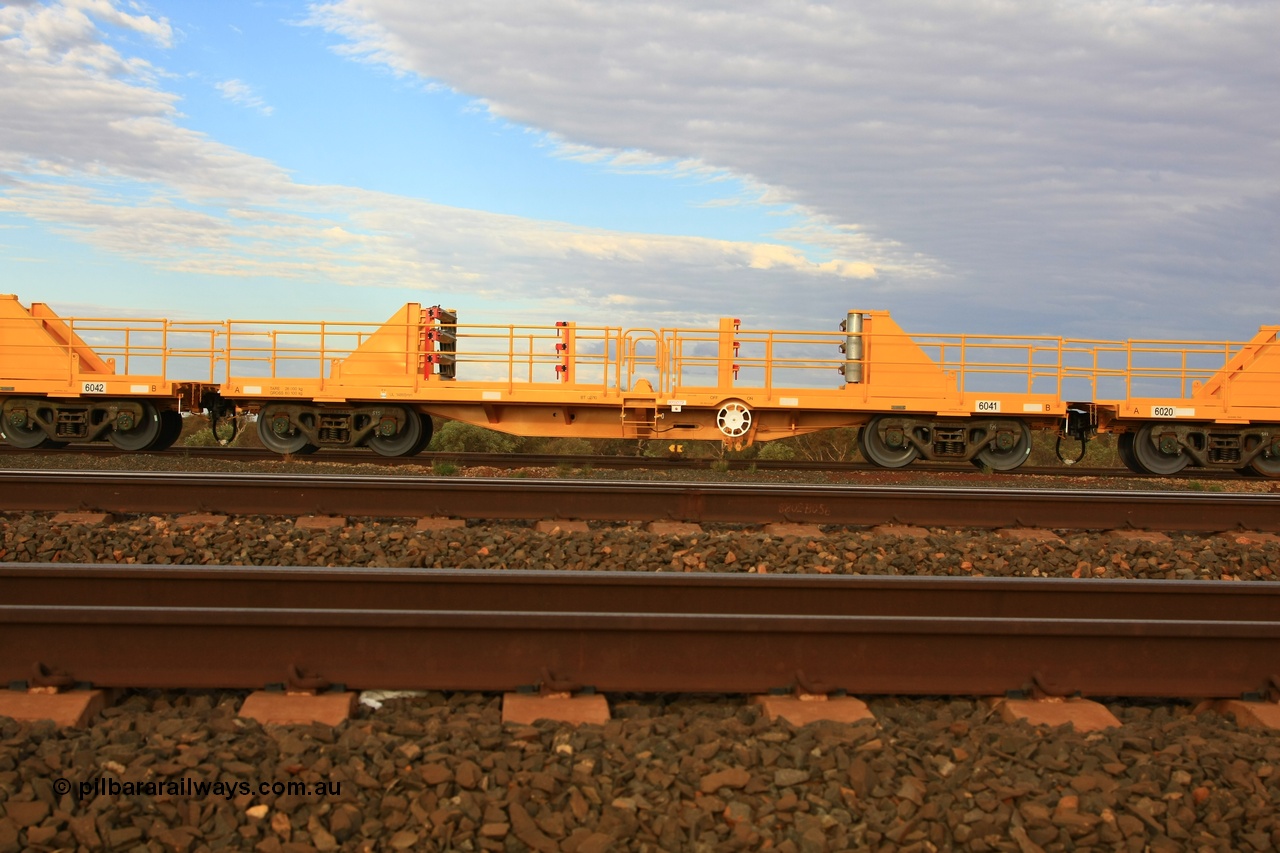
124	422
280	425
894	438
734	420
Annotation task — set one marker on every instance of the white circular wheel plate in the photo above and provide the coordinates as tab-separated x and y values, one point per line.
734	419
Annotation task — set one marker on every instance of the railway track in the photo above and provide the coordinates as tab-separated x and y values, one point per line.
479	498
167	627
514	461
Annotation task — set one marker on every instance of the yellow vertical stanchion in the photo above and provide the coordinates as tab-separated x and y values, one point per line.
564	349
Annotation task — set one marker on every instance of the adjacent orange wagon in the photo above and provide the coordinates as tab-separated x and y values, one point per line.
342	384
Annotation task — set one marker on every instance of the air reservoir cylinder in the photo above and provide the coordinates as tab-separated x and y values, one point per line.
853	347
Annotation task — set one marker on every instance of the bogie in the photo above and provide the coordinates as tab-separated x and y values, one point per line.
1161	448
1001	444
133	425
290	428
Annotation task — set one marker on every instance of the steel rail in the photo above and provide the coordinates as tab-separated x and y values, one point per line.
490	499
602	462
501	630
510	589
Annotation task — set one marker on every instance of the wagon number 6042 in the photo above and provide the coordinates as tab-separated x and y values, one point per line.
93	388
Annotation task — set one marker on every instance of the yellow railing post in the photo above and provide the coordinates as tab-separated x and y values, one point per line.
677	358
1031	367
529	355
768	366
1226	380
511	359
617	361
1060	377
1128	369
322	349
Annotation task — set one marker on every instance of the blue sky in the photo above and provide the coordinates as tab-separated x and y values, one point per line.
257	78
1087	168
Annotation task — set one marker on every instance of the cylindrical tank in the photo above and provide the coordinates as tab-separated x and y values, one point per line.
853	347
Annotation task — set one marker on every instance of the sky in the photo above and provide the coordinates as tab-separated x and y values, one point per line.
1088	169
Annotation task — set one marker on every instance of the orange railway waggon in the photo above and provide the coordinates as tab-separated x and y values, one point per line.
938	397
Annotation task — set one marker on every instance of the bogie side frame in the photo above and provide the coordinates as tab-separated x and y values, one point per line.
937	397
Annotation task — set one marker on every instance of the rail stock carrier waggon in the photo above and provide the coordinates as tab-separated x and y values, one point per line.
382	386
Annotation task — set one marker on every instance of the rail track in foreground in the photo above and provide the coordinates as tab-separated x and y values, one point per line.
634	501
232	627
515	461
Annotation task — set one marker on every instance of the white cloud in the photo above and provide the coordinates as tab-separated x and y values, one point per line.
1020	159
1093	168
73	105
93	148
107	11
241	93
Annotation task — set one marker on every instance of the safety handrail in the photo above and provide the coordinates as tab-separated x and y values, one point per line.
615	359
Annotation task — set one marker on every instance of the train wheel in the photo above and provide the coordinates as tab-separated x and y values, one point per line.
142	434
1006	451
1124	447
891	450
280	435
1162	458
403	443
170	429
23	436
1265	464
428	430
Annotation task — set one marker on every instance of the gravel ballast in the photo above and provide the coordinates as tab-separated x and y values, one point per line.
668	773
32	537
